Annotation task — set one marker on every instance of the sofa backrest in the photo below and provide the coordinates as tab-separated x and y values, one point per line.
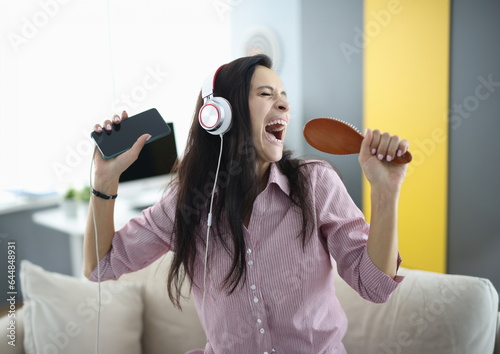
428	313
166	329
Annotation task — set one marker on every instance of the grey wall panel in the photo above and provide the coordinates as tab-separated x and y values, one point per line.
40	245
332	79
474	169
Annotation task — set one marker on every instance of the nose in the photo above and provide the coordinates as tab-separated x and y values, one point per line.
282	105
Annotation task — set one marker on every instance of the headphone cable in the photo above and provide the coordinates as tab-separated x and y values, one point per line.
98	261
209	224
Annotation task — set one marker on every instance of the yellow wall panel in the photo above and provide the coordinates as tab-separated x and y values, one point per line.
406	70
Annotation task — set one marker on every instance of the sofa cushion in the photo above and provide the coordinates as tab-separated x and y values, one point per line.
429	313
60	314
497	341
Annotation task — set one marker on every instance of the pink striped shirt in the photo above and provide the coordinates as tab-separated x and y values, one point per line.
288	302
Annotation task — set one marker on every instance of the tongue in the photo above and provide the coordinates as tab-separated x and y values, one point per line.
272	136
270	128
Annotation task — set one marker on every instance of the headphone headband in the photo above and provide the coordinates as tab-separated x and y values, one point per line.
209	84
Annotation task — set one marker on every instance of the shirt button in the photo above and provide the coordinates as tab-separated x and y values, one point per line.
266	353
249	251
262	330
255	299
250	263
253	287
259	321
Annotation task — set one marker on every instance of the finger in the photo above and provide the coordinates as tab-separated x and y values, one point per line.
124	115
365	143
97	128
116	119
375	142
392	148
383	146
403	148
365	150
107	125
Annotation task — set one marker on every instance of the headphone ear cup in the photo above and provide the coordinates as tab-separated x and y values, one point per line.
215	116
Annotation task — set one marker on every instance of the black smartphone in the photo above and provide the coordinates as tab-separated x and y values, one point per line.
124	134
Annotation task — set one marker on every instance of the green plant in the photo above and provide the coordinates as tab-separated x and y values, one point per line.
70	194
84	194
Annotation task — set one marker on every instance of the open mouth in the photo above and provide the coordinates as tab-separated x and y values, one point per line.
275	130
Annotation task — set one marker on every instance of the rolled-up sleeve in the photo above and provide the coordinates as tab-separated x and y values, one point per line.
141	241
343	227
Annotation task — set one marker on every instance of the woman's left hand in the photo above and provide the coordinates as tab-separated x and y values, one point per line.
377	151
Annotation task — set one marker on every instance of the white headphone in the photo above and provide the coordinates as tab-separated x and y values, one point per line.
215	114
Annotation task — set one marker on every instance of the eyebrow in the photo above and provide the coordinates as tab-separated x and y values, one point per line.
271	88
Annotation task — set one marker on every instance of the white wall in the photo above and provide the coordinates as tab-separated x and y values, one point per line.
57	66
282	18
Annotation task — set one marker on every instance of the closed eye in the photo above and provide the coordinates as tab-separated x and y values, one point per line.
270	92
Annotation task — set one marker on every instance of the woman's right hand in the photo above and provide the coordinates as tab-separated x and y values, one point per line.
110	170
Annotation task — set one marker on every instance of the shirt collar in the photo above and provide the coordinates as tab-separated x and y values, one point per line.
277	177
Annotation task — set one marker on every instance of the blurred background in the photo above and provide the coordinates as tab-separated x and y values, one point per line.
427	70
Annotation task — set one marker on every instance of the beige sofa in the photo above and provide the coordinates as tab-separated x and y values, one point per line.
429	313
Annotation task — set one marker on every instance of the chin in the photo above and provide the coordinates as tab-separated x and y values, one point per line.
275	157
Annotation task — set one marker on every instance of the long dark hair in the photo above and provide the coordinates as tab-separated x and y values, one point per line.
238	189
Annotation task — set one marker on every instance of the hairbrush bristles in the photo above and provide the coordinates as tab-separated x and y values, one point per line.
347	123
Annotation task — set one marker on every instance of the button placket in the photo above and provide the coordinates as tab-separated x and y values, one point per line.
253	281
253	287
250	263
252	276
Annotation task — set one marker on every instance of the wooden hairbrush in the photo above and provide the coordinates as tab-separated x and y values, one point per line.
336	137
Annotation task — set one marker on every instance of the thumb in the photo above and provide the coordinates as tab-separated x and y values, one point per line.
139	144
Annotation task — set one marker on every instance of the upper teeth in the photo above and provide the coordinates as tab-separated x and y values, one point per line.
282	124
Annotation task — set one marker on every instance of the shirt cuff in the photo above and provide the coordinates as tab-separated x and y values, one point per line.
377	283
103	266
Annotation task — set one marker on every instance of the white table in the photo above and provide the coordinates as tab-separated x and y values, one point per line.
56	218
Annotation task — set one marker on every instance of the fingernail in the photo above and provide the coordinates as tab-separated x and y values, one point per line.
99	129
400	153
149	137
108	127
117	119
380	157
389	158
366	130
374	151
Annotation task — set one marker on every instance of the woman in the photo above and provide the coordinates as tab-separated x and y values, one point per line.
267	286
